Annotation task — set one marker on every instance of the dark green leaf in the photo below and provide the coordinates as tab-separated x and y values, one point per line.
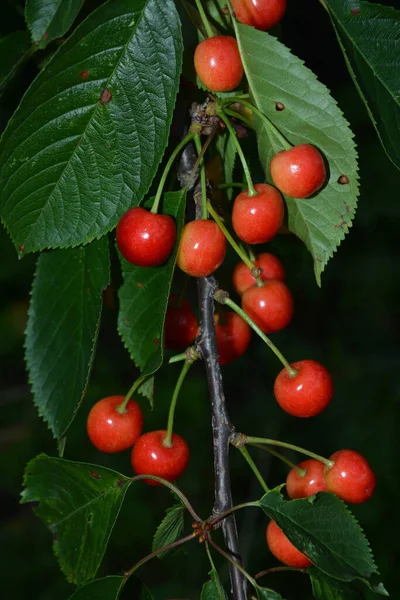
50	19
369	35
80	503
89	134
267	594
144	298
327	588
213	590
312	116
14	49
63	323
106	588
170	528
147	389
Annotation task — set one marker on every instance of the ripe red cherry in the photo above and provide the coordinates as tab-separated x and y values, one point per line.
181	326
283	549
261	14
270	306
111	431
144	238
298	172
306	394
218	64
150	456
313	481
271	266
351	478
233	336
202	248
256	219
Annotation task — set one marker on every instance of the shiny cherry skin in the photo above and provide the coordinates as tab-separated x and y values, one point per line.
202	248
270	306
351	478
233	336
181	326
306	394
218	64
261	14
271	266
150	456
256	219
145	239
313	481
112	431
298	172
283	549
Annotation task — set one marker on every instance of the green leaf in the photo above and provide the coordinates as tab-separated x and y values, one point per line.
144	299
14	50
323	528
312	116
106	588
369	36
227	151
327	588
146	389
267	594
170	528
213	590
89	134
80	503
63	323
50	19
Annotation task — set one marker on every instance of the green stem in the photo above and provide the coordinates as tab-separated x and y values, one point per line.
233	562
250	186
168	438
225	186
204	213
238	115
204	19
173	489
268	442
251	253
177	358
121	408
278	570
168	166
256	472
221	516
288	462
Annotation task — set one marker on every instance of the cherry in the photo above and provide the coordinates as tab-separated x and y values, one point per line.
181	326
306	394
256	219
110	430
218	64
271	266
351	478
144	238
202	248
233	336
270	306
283	549
313	481
298	172
261	14
151	456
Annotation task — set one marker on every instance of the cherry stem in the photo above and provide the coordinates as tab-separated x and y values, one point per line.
269	442
238	115
221	516
204	213
182	144
173	489
278	570
251	253
122	408
289	463
204	19
251	190
167	441
256	472
233	561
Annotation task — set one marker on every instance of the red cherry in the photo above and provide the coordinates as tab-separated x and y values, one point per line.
271	266
261	14
233	336
313	481
306	394
283	549
218	64
351	478
298	172
111	431
202	248
150	456
270	306
144	238
256	219
181	326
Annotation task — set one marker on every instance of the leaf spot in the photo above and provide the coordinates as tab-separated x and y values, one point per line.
156	342
45	36
140	285
95	475
279	106
120	483
84	74
355	11
343	180
105	96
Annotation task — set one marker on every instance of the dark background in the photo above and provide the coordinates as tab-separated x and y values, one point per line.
351	325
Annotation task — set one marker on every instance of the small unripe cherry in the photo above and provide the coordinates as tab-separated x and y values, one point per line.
261	14
298	172
270	264
283	549
202	248
303	485
270	306
233	336
307	393
256	219
112	431
151	456
351	478
218	64
181	326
